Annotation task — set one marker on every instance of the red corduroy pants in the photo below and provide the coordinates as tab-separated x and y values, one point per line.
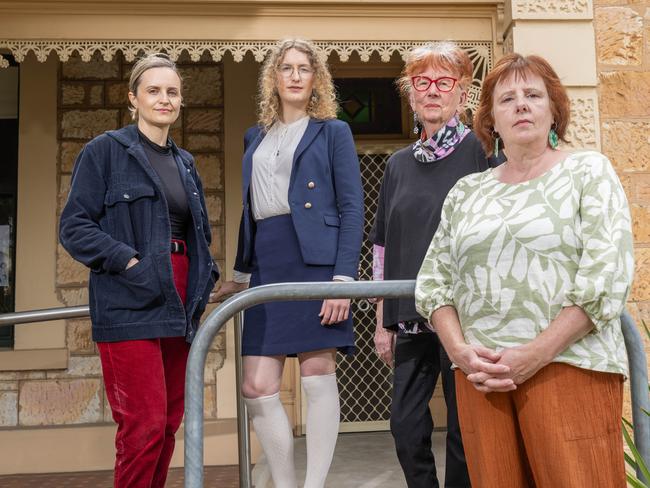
145	386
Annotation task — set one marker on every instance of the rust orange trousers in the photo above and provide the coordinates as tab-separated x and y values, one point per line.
559	429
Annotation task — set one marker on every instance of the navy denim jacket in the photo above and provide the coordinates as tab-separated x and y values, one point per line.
116	210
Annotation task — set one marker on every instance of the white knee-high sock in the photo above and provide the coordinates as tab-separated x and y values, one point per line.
275	435
323	416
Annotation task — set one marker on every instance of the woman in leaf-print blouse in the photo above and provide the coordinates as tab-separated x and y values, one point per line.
524	282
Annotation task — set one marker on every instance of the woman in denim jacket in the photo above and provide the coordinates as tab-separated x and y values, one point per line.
136	216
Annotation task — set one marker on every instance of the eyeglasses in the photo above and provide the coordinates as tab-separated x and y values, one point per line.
286	70
443	84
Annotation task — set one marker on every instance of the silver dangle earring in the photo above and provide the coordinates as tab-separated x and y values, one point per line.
416	124
495	134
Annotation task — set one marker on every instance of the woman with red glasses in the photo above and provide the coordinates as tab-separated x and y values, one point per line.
435	80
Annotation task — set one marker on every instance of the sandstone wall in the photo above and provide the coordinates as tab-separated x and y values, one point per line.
623	55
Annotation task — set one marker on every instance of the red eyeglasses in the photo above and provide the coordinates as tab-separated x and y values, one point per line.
443	84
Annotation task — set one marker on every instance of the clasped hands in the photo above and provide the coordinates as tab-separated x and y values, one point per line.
491	371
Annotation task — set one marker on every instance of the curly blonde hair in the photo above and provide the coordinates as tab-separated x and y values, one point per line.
322	103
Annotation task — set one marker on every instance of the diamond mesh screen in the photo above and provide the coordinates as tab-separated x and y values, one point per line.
364	380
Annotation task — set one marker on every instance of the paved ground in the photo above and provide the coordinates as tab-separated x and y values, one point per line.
361	460
215	477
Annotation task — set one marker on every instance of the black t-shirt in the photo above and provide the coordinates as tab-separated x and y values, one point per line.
163	162
408	213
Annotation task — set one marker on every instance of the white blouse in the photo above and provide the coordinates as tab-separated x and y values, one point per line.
272	163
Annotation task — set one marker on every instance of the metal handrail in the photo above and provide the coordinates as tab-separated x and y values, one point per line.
243	429
213	324
43	315
234	306
638	367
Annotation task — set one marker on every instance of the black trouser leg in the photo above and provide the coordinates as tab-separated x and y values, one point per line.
416	371
456	475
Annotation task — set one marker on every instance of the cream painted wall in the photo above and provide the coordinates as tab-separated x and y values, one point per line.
240	86
240	22
91	448
569	46
37	194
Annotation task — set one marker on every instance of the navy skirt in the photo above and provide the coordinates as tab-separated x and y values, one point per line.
287	328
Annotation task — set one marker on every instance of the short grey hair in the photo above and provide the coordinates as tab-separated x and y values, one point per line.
154	60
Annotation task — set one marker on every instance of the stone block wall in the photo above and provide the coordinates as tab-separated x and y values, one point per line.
622	30
92	98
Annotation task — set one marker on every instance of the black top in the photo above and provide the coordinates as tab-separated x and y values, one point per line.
408	213
163	162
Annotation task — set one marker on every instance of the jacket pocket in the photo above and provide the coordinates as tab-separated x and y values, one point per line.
128	195
134	289
332	220
131	212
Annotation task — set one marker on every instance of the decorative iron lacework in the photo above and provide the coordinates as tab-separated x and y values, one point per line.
480	52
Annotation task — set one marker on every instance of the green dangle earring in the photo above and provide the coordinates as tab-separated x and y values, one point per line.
553	139
496	143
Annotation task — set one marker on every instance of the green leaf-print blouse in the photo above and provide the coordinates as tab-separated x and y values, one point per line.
508	257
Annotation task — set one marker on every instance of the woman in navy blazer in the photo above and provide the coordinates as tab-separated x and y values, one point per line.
302	220
324	197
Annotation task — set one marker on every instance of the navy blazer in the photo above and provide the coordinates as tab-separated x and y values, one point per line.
116	210
325	198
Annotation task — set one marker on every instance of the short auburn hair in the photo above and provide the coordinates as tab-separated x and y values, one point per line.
520	66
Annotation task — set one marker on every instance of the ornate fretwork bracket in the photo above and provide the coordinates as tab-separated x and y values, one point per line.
560	9
216	49
480	52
